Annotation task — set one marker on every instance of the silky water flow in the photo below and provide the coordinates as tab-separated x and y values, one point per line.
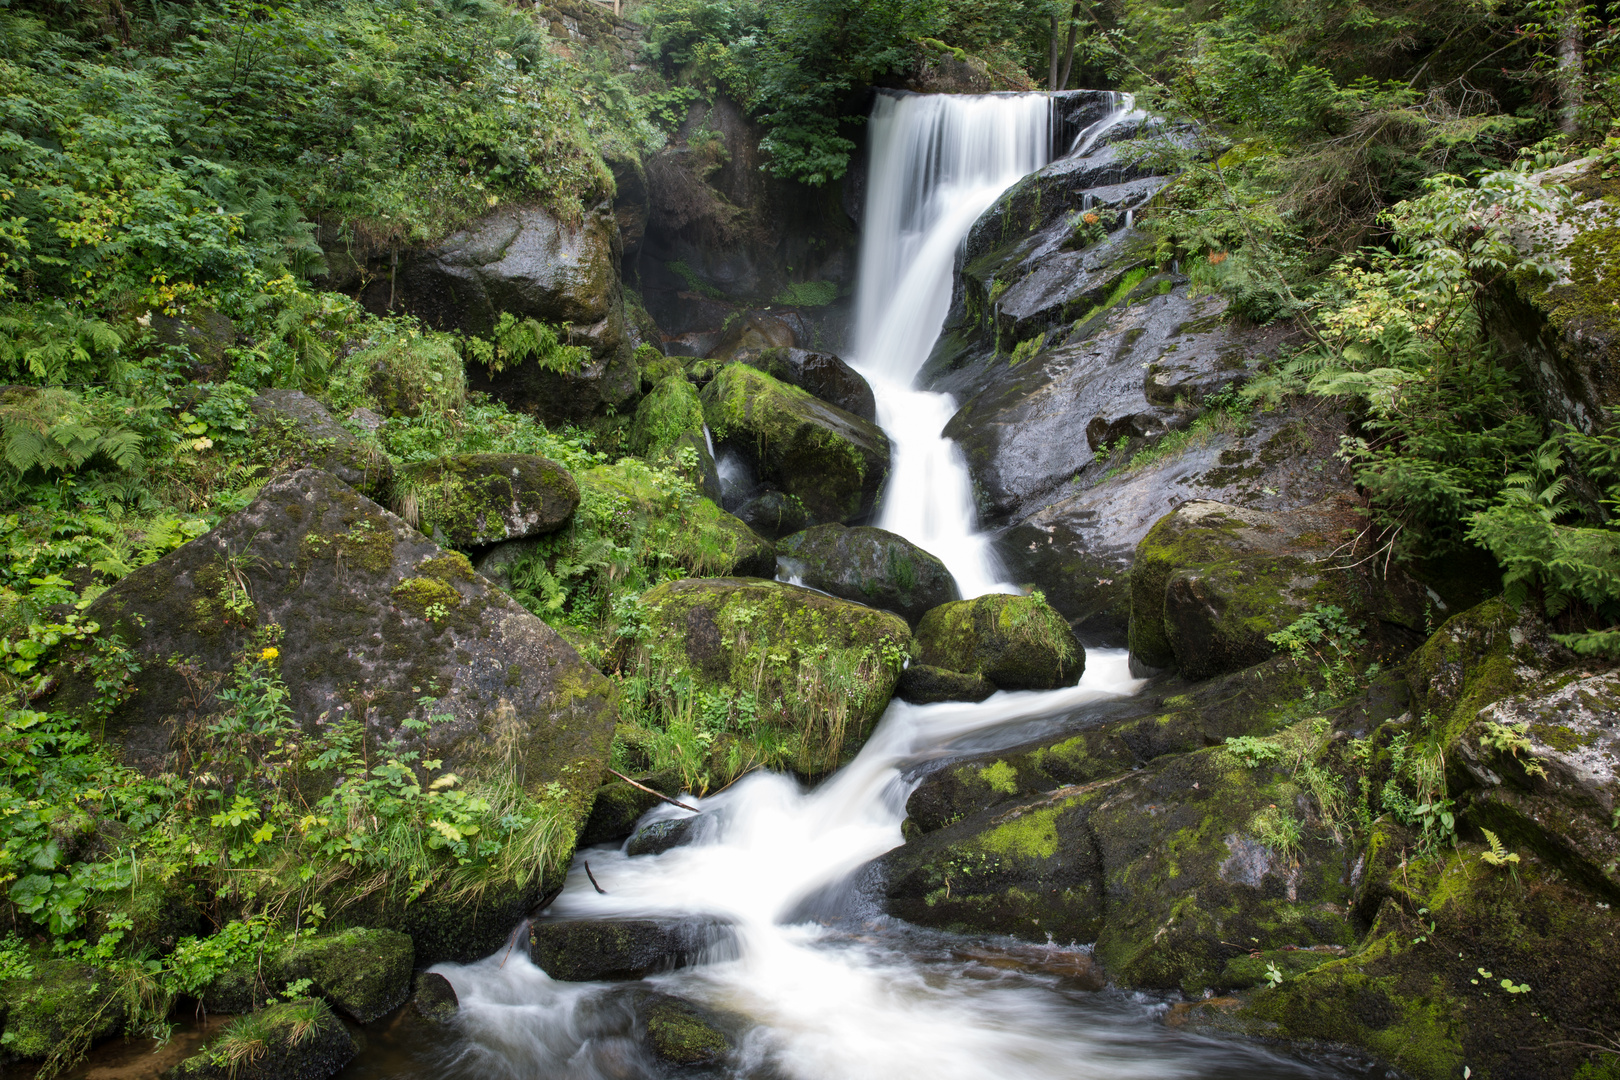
818	984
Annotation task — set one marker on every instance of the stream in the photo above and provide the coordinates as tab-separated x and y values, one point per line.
819	984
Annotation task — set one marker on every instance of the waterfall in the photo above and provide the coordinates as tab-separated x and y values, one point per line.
1121	107
937	163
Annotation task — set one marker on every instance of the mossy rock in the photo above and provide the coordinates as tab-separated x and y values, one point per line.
714	541
472	500
297	1040
656	367
314	557
204	334
753	332
821	669
61	1003
1162	867
682	1034
592	950
435	999
822	374
870	566
363	973
1425	990
921	684
831	460
296	426
774	514
1016	642
1211	582
671	410
614	813
657	837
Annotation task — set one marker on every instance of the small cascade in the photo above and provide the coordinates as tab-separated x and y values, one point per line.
938	162
1122	107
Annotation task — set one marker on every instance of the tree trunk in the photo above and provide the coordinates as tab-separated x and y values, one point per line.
1570	68
1068	50
1052	66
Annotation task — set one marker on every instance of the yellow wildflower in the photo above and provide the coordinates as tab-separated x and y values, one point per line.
270	653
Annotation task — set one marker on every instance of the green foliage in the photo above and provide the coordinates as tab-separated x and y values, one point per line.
1224	413
1253	751
1496	854
808	294
1279	830
1326	636
515	340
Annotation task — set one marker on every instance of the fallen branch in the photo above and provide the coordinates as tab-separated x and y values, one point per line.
593	880
650	791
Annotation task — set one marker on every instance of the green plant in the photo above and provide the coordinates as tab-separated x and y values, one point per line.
1496	854
1253	751
1280	831
808	294
1505	739
1325	634
1274	976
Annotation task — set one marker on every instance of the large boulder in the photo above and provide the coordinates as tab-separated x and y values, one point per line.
773	514
870	566
473	500
820	669
921	684
625	493
59	1005
1016	642
822	374
831	460
296	427
372	612
1175	870
1211	582
364	974
668	426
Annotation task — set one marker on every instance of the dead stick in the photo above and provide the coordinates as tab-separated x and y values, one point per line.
650	791
593	879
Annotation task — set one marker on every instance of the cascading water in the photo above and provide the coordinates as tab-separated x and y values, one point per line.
938	162
818	987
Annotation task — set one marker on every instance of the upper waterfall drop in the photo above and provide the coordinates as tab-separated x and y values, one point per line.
938	162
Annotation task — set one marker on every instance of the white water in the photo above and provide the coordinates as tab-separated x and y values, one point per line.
847	997
1122	107
937	163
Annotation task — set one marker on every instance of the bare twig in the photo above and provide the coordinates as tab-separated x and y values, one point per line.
650	791
593	880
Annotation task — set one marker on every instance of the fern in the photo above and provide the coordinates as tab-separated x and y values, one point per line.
1497	855
53	432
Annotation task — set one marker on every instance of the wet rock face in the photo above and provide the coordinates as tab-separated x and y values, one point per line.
588	950
821	669
435	999
368	605
364	974
832	461
820	373
1015	642
473	500
773	514
870	566
681	1033
1212	581
295	417
657	837
921	684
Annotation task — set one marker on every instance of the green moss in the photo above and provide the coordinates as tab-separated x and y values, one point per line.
62	1004
1031	835
679	1034
420	594
368	546
1001	777
1017	642
670	411
449	567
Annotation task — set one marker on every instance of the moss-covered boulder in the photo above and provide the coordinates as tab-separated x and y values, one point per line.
625	500
60	1003
435	999
1544	766
820	670
831	460
203	334
590	950
680	1033
297	1040
363	973
1465	965
296	426
1173	870
870	566
774	514
374	617
1016	642
822	374
671	410
921	684
472	500
1212	581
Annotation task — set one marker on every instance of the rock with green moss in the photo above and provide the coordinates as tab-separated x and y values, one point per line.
297	1040
62	1003
819	670
870	566
591	950
473	500
627	499
656	367
1544	769
1212	581
1016	642
668	426
204	334
681	1033
618	806
773	514
295	423
921	684
753	332
822	374
363	973
831	460
367	605
435	999
1173	870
